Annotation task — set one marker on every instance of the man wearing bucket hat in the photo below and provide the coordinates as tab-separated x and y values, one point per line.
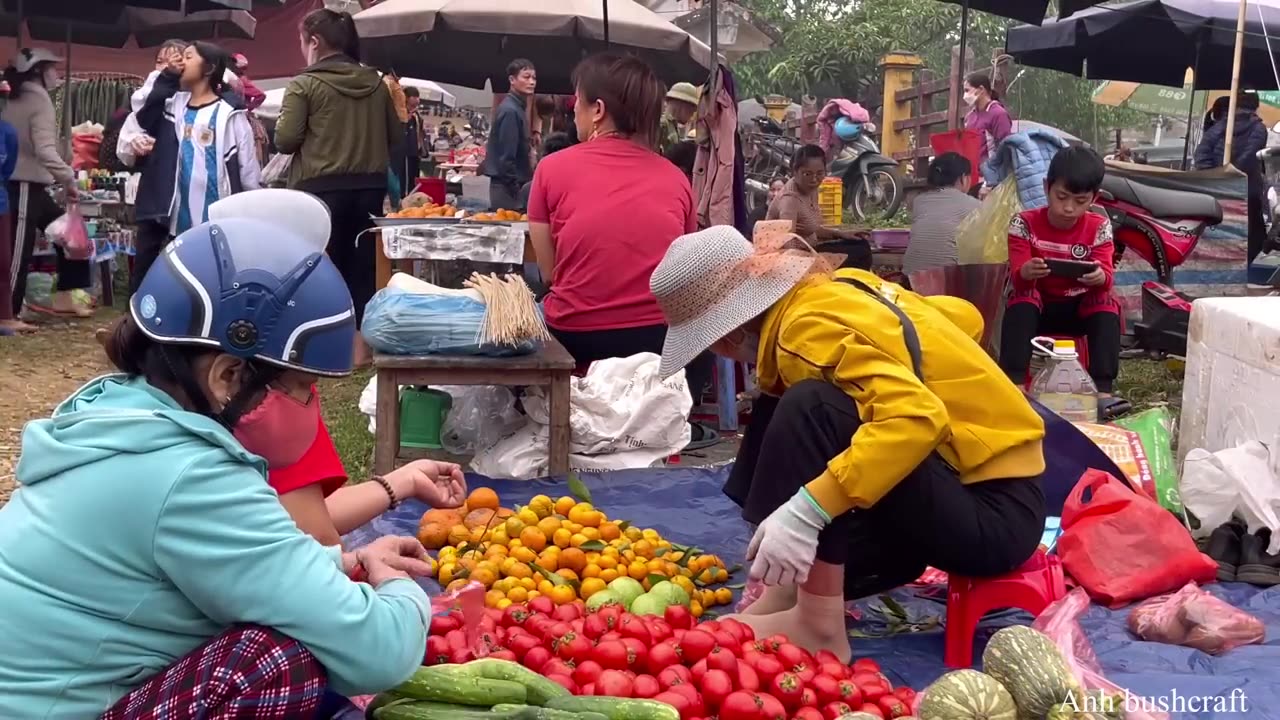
886	441
682	103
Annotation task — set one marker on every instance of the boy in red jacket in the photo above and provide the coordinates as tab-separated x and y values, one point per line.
1048	304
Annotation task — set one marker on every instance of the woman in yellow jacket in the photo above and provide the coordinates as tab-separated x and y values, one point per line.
887	439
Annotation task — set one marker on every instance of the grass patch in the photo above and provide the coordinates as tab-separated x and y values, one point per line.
347	425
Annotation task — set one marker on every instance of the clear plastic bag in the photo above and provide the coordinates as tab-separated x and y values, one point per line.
1194	618
480	416
405	323
983	236
71	234
277	170
1061	623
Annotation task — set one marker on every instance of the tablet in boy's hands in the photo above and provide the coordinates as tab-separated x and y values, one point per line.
1070	269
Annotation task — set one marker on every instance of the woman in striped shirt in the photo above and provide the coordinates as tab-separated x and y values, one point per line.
937	212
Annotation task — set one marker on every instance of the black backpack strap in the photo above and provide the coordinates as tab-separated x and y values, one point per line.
909	335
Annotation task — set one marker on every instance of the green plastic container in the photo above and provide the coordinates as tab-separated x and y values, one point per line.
422	415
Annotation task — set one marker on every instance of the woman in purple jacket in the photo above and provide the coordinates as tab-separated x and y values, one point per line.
987	116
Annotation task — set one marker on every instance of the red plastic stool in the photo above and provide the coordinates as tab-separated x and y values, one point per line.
1032	587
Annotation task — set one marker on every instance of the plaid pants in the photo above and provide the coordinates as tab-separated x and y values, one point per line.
246	672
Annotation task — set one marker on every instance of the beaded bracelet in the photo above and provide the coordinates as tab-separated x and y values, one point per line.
386	485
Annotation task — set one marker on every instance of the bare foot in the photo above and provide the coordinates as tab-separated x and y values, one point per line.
362	353
772	600
815	623
17	326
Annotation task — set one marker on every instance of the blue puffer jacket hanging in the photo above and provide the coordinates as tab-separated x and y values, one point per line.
1026	156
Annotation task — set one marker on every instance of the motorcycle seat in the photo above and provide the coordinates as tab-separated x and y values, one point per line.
1163	203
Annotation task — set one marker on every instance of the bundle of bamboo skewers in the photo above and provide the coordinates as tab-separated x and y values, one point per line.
511	315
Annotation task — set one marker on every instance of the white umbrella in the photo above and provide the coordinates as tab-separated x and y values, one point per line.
430	92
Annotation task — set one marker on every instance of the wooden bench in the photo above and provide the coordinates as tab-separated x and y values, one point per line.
550	367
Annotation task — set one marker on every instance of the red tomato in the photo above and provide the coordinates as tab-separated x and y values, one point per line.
570	611
774	643
539	625
716	685
750	646
741	705
503	655
645	686
442	624
637	653
611	613
537	658
835	710
660	630
458	657
866	665
674	675
522	644
849	693
663	656
788	688
809	698
771	708
805	672
514	616
807	713
695	645
724	638
699	669
893	707
906	695
835	670
791	655
487	622
611	635
587	671
827	689
457	640
678	617
493	614
437	651
556	666
748	679
612	655
767	667
825	656
588	689
696	704
872	708
615	683
564	681
741	633
721	658
593	626
542	605
633	627
872	690
868	678
574	647
682	704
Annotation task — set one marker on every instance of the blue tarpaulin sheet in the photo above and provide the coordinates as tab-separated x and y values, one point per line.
687	506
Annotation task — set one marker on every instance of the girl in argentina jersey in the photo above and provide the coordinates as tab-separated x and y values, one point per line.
216	151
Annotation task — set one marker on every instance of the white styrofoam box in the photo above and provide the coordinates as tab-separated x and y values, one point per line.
1231	393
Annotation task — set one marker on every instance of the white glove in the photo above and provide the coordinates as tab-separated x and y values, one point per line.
786	543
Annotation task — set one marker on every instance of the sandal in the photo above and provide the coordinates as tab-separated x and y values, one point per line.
701	436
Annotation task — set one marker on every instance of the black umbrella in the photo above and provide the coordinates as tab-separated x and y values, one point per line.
1027	11
1155	41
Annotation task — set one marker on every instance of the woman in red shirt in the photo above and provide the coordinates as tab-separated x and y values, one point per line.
314	490
602	214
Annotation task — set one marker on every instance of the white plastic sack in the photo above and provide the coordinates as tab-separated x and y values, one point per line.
620	416
1241	480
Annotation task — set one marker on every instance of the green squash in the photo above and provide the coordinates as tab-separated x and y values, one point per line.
1032	668
967	695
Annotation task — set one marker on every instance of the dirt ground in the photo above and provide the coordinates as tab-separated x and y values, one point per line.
36	373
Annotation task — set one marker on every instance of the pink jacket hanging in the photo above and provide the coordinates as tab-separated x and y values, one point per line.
833	111
713	169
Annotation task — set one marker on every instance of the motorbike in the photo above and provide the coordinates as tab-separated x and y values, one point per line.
873	183
1162	227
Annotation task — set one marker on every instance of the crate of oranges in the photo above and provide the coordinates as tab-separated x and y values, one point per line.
565	549
500	215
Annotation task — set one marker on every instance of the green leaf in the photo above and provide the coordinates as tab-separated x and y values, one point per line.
662	551
578	489
548	575
624	525
593	546
735	568
738	586
655	578
710	614
894	607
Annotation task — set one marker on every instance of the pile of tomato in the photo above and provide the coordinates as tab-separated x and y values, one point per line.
717	668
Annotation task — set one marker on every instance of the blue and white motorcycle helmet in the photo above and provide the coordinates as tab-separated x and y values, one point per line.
847	129
258	290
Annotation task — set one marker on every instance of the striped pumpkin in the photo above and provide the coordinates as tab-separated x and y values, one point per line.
1032	668
967	695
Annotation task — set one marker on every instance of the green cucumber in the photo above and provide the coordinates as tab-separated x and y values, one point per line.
454	688
530	712
617	708
541	690
438	711
382	700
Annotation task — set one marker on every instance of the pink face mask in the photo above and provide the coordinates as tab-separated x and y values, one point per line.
280	429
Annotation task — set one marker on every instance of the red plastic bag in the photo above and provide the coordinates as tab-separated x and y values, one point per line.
1060	622
1194	618
1121	546
84	151
71	234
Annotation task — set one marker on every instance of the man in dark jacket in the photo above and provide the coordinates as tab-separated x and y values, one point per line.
507	161
152	109
1248	136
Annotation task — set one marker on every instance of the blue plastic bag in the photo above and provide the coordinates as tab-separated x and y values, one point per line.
404	323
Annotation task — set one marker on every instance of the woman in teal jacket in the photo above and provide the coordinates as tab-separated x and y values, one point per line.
146	567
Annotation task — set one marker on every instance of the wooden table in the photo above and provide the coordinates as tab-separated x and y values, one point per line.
549	367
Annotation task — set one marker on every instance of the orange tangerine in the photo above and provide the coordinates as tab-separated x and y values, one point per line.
503	604
518	594
567	574
459	534
492	597
533	539
541	506
549	561
545	587
548	526
577	540
525	554
610	531
643	548
563	595
591	571
482	497
724	596
561	538
609	575
573	559
590	587
638	570
564	504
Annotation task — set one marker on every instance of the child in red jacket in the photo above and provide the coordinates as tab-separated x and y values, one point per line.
1046	304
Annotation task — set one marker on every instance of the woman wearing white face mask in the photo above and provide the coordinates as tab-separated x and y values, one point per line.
30	111
987	116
